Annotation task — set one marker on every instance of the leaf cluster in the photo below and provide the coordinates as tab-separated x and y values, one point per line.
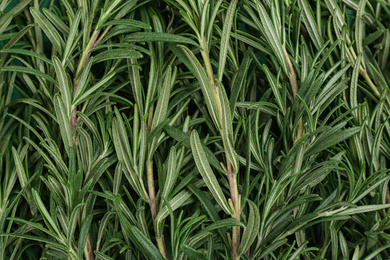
184	129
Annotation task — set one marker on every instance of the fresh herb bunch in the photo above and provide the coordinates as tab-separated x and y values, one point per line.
189	129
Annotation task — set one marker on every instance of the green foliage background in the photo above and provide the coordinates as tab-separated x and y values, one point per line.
194	129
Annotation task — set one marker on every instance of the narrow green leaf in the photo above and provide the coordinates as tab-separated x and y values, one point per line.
315	177
84	79
85	144
271	35
85	8
116	54
356	253
276	89
136	85
50	31
101	256
45	213
41	239
207	204
199	239
210	209
362	209
227	128
224	223
180	136
19	168
252	228
28	53
57	22
172	172
225	39
161	109
239	81
376	252
68	7
144	244
155	133
7	36
92	90
343	245
163	100
122	148
384	56
266	107
376	149
72	35
297	252
18	35
29	71
4	22
103	227
19	7
23	177
207	173
63	116
331	140
4	142
34	225
204	83
84	231
46	157
334	241
176	202
159	37
353	93
128	22
272	248
310	23
34	103
248	39
63	82
6	19
192	254
360	26
328	94
181	54
73	221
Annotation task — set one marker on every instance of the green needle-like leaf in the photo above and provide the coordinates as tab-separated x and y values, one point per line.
271	35
331	140
159	37
83	96
63	116
128	22
226	38
170	180
207	173
360	24
252	228
84	234
72	36
148	248
63	83
29	71
117	54
28	53
193	254
49	29
312	27
50	222
204	84
227	128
